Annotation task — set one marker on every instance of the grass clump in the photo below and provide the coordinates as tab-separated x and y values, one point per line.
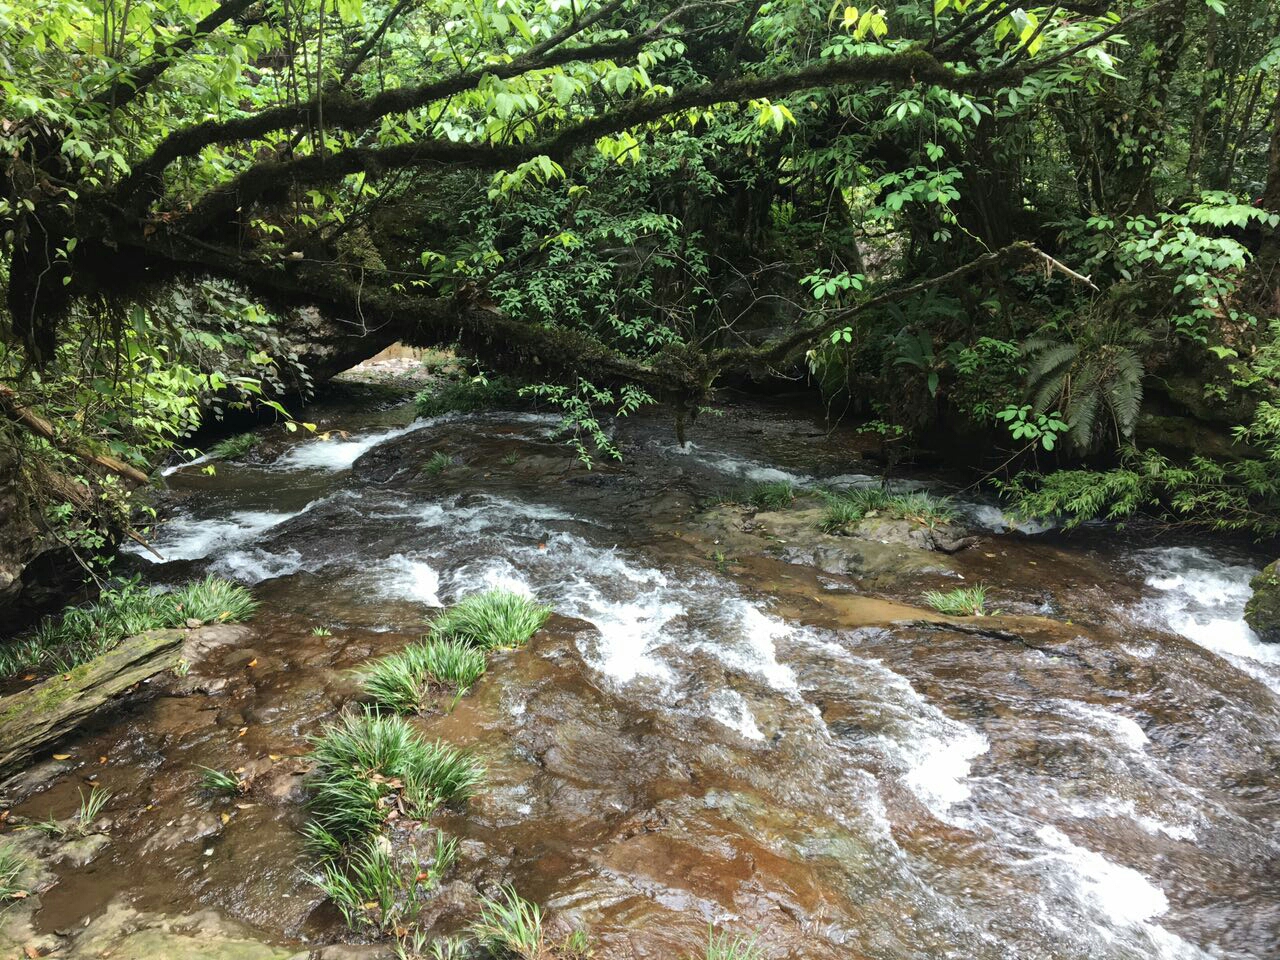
220	783
213	600
376	888
437	464
81	822
961	602
511	927
849	507
82	633
722	946
368	763
773	495
405	681
493	619
235	447
467	396
14	866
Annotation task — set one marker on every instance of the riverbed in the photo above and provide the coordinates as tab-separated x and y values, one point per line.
719	725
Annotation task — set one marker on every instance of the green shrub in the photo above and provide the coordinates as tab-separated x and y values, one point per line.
81	822
235	447
839	514
494	619
80	634
961	602
466	396
923	508
365	760
773	495
403	681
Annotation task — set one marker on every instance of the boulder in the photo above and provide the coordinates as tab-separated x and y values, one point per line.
1262	612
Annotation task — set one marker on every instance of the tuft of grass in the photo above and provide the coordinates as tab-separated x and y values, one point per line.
91	807
404	681
213	600
773	495
233	447
492	619
14	866
374	887
321	632
722	946
220	783
961	602
437	464
923	508
368	762
466	396
510	927
839	514
848	507
81	822
511	459
81	633
16	656
417	944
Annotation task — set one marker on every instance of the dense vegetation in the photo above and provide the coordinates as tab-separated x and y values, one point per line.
1051	229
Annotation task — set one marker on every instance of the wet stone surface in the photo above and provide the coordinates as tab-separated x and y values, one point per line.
731	718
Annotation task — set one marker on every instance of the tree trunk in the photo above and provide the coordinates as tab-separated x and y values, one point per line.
36	718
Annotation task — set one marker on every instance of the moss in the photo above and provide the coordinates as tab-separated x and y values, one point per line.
1262	612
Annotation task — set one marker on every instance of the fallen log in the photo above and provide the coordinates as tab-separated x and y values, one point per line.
44	713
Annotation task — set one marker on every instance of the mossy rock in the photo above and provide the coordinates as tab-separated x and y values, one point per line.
1262	612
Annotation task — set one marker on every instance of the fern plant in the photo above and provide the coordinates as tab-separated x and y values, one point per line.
1096	384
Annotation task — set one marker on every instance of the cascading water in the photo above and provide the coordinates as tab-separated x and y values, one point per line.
689	743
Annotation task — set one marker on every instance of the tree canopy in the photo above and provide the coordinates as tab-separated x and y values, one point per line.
1009	215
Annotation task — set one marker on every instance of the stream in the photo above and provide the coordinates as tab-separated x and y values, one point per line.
727	720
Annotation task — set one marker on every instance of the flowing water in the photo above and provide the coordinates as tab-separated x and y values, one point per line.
706	732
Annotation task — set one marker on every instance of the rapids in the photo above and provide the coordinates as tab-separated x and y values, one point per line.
701	738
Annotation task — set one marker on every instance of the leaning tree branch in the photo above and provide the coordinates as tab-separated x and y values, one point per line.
778	350
422	318
342	111
217	205
34	423
164	54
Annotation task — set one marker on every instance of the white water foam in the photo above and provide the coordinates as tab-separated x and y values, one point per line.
728	707
933	753
1122	729
738	467
253	564
988	516
411	578
1121	894
1202	598
337	453
758	651
1127	809
190	538
170	470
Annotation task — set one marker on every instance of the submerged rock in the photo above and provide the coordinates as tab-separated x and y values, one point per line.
1262	612
124	932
